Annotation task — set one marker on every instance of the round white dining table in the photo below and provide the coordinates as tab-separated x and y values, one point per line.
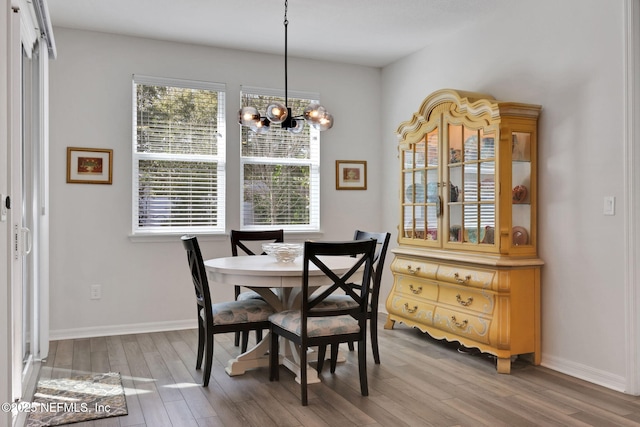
279	283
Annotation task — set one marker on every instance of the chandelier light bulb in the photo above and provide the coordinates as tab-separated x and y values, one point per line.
314	113
261	127
325	123
298	126
276	112
248	116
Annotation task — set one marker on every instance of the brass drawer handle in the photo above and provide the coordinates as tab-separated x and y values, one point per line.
412	270
460	280
415	290
410	310
460	325
464	303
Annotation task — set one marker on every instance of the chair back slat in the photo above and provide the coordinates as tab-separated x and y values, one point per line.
239	239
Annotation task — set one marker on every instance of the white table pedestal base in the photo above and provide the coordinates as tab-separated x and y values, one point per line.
258	357
255	357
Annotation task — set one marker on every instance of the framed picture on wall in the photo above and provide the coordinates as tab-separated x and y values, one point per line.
89	165
351	175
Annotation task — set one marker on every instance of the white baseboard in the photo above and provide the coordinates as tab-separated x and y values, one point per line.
137	328
586	373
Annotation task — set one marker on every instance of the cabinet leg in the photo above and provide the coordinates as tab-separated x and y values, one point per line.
503	365
389	323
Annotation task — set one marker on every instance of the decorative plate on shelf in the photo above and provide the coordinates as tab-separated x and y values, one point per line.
519	193
419	196
520	236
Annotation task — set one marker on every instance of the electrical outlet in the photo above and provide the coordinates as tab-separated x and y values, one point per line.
96	291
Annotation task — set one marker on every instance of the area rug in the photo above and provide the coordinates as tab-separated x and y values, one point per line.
63	401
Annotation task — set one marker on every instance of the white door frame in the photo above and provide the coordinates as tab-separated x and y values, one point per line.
632	195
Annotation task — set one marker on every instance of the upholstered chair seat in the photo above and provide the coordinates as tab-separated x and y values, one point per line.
233	312
290	320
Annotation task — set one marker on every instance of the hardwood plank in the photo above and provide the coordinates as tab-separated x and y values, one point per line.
63	359
180	414
192	395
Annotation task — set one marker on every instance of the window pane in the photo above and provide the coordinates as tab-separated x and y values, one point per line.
276	194
178	194
176	120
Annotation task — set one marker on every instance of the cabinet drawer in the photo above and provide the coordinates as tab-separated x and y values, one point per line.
467	298
417	288
466	276
467	324
410	308
414	267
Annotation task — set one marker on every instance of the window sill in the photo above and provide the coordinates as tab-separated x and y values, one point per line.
295	235
174	237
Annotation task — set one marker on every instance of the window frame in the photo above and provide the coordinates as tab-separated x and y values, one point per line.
219	159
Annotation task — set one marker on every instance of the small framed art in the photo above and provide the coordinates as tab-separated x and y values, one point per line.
89	165
351	175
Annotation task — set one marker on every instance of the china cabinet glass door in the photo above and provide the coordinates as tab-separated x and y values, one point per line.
421	202
471	186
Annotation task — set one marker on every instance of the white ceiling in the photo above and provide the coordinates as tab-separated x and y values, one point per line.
364	32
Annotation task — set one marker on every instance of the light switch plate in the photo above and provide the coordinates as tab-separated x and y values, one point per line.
609	205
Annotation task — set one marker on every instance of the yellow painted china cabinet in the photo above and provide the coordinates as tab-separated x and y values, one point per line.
466	268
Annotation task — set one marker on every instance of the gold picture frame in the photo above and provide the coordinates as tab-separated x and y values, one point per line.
89	165
351	175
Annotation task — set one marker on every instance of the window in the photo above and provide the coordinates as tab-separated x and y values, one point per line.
178	156
280	170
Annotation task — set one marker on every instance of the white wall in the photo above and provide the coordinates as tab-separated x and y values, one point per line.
568	57
147	284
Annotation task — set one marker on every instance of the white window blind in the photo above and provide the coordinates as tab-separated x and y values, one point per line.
178	156
280	171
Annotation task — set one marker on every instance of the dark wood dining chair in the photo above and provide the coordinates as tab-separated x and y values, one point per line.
232	316
382	243
240	240
313	325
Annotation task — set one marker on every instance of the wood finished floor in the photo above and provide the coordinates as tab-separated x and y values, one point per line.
421	382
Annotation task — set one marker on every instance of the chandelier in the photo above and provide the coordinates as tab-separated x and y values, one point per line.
314	114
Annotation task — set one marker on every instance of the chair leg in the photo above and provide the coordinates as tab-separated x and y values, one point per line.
245	341
236	338
350	344
274	362
373	325
362	367
334	357
322	350
303	376
208	360
258	335
201	340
